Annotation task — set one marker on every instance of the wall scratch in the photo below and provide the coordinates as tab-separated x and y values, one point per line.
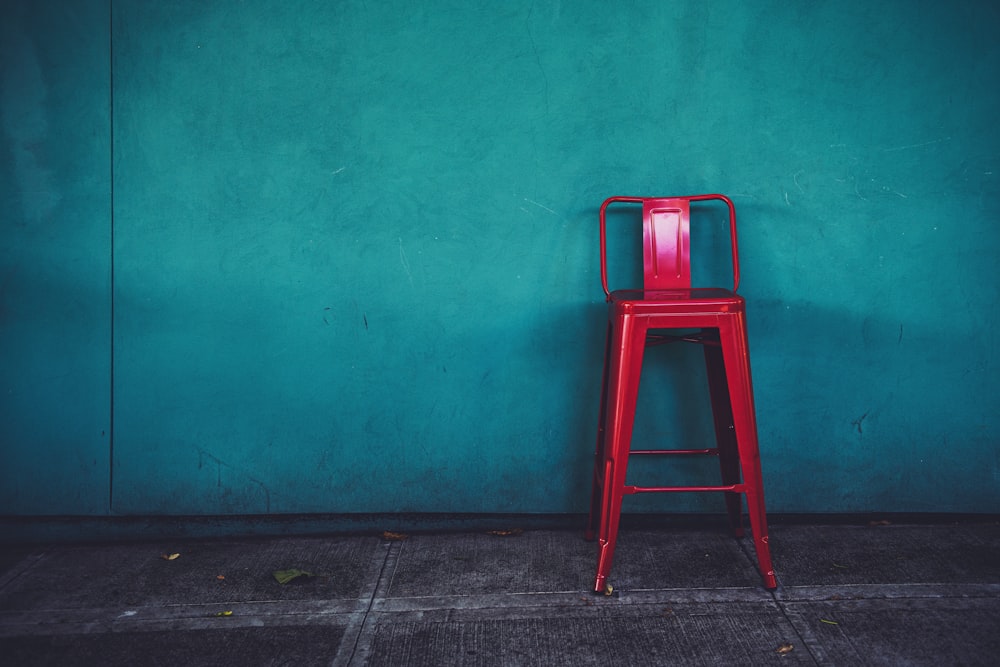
220	464
857	422
920	145
404	262
544	208
795	178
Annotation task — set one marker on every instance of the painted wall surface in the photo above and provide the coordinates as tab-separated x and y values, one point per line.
55	263
355	260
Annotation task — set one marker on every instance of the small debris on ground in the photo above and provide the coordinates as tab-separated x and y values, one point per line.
285	576
394	537
785	648
170	556
506	533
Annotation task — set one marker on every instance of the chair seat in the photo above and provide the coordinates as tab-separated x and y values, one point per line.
696	300
682	294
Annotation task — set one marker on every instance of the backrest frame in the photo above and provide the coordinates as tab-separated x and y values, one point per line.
666	236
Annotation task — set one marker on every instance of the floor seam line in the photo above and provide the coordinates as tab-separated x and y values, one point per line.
810	647
23	566
377	592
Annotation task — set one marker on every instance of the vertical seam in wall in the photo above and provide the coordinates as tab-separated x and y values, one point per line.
111	342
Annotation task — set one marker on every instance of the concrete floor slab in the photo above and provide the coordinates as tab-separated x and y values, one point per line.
287	645
923	631
849	594
118	576
682	559
601	634
490	563
887	554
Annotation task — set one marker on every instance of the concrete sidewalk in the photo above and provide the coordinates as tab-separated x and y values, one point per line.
899	594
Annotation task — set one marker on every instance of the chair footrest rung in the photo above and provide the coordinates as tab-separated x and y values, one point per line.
629	490
667	452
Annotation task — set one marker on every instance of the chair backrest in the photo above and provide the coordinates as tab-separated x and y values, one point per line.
666	251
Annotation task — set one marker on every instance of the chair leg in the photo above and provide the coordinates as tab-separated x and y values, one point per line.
736	354
725	435
627	349
598	483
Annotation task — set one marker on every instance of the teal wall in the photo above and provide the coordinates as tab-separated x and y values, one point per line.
298	256
55	258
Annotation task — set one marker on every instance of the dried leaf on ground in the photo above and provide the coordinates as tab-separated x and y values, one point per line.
223	613
506	533
284	576
170	556
786	648
394	537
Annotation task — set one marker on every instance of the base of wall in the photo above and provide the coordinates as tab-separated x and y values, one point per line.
49	529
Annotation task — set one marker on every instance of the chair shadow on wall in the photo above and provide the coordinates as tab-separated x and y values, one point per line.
833	367
835	380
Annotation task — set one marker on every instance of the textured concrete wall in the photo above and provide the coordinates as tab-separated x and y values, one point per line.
354	248
55	258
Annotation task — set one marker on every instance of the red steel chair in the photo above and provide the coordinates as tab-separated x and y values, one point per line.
641	317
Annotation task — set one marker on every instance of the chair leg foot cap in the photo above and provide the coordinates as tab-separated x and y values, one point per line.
603	588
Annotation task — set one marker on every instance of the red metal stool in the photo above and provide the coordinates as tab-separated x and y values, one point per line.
637	318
